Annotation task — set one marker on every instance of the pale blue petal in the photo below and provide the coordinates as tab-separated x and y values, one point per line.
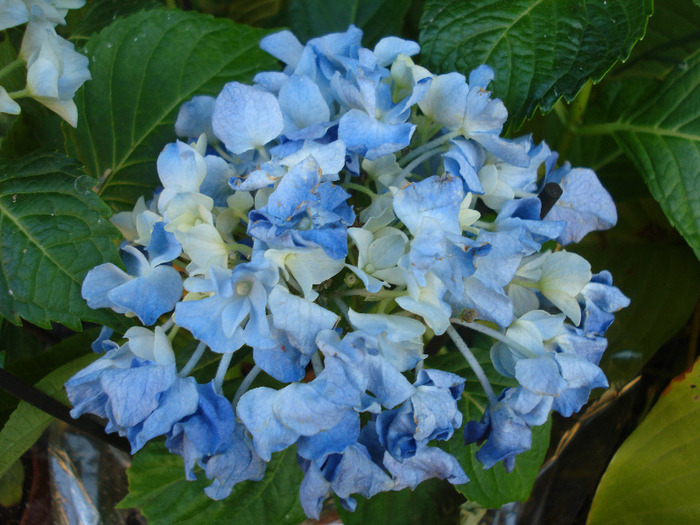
246	118
150	295
429	462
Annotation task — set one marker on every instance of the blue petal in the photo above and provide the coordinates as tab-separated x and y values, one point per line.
313	491
332	441
388	48
151	294
283	46
370	137
429	462
99	282
179	401
358	474
194	118
300	319
302	104
269	435
135	393
246	118
204	319
163	246
239	462
584	204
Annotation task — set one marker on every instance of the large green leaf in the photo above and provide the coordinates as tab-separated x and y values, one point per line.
493	487
53	229
653	476
662	137
99	14
157	486
540	50
143	68
27	422
310	18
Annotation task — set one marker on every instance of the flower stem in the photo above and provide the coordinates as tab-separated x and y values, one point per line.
245	384
19	94
221	371
428	145
473	363
496	335
196	356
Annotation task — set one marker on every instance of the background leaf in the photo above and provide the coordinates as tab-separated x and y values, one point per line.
157	486
433	501
143	68
377	18
651	478
29	362
662	138
494	487
540	50
27	423
53	229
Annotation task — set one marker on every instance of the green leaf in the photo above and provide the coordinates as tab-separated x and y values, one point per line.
27	422
100	13
53	229
662	138
494	487
157	486
143	68
36	128
310	18
540	50
11	485
433	501
652	265
652	477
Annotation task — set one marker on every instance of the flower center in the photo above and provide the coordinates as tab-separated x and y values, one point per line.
243	287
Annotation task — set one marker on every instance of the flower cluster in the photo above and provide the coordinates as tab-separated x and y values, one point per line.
55	70
329	217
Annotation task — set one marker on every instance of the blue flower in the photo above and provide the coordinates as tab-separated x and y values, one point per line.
600	300
135	387
235	314
148	290
584	205
304	212
246	118
505	432
430	413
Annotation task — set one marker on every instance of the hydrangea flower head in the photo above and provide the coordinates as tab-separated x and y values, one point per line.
331	217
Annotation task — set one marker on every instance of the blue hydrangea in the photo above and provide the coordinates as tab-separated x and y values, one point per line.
331	217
